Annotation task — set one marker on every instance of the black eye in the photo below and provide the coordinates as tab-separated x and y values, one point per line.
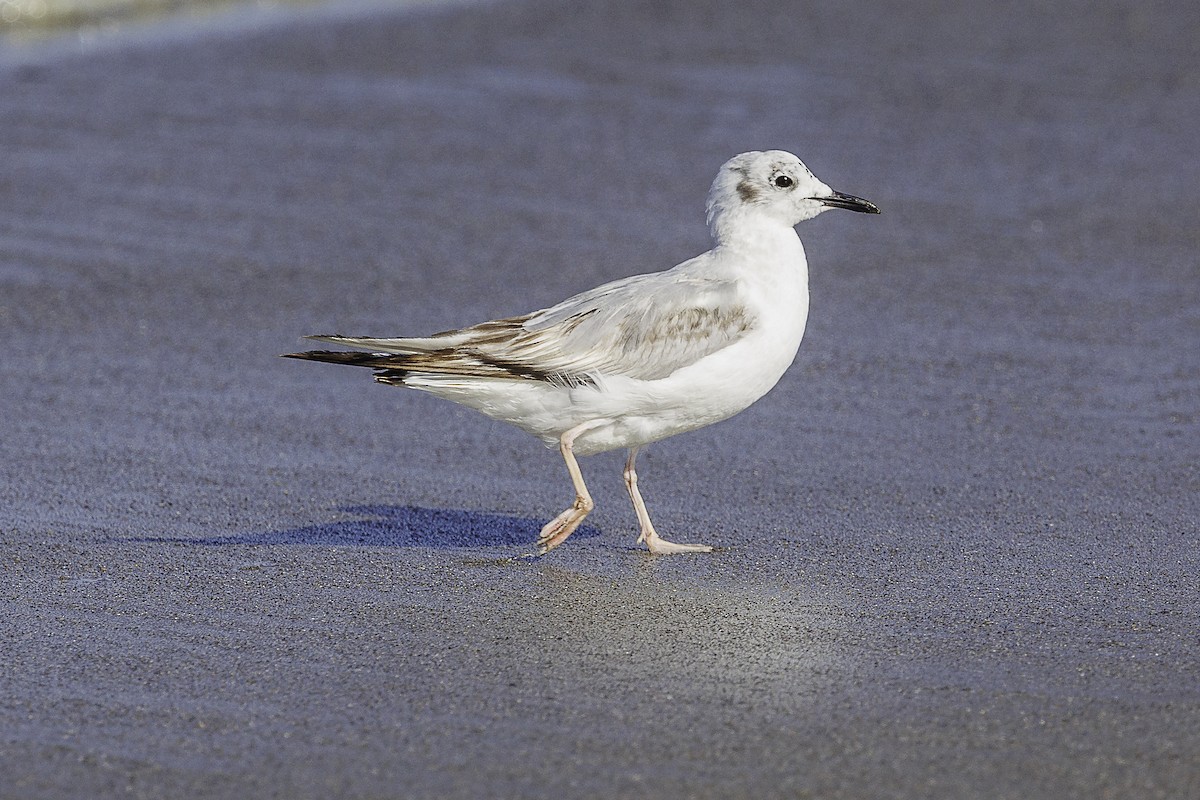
784	181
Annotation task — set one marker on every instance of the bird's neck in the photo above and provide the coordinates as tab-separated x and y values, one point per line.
761	241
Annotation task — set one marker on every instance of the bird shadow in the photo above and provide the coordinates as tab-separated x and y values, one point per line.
395	526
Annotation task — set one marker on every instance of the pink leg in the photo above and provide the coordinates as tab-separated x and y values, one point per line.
558	529
656	544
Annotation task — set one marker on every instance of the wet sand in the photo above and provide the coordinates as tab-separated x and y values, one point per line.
959	541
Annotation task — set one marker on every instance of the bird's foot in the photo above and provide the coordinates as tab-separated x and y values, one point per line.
661	547
558	529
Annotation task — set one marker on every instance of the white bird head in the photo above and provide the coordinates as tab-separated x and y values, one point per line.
771	186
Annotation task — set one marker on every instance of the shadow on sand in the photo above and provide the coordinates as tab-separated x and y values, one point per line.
396	526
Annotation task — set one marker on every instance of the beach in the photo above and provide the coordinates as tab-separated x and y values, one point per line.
957	542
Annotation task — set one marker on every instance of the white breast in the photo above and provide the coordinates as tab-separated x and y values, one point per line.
720	384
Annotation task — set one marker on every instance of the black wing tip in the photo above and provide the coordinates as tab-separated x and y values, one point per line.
356	358
308	355
318	355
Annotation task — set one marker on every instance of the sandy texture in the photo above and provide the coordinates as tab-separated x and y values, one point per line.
960	536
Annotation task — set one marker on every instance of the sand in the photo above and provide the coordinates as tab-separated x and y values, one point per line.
959	540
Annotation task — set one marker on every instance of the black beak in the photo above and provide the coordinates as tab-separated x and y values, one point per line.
848	202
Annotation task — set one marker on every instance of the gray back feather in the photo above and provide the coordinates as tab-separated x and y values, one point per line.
644	327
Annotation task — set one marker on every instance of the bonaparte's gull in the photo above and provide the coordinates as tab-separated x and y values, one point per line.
642	358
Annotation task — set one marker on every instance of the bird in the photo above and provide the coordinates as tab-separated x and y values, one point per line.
642	358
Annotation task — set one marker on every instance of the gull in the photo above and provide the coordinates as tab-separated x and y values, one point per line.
642	358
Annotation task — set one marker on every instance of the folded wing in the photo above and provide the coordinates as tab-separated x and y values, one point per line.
644	327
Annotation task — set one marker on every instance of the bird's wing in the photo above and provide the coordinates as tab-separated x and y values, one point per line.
644	327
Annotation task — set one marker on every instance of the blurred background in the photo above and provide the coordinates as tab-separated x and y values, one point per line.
960	535
29	20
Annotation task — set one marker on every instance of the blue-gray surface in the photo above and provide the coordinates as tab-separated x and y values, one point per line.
960	537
